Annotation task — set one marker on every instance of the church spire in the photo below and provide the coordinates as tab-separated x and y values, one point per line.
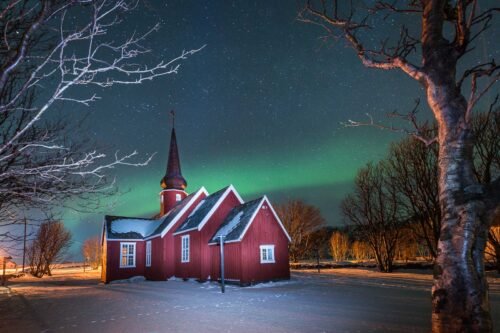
173	177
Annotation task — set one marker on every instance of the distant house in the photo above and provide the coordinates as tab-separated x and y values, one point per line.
184	239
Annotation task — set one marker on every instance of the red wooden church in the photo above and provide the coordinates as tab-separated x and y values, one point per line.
184	240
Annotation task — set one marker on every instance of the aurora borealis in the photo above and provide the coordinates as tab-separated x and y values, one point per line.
259	107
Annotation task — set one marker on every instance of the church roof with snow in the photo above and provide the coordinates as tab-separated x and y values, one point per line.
237	221
198	214
121	227
172	214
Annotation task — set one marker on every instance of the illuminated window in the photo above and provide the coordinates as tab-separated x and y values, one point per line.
127	255
267	254
185	248
177	197
148	254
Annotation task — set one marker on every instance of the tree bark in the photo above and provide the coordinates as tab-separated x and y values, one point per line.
497	256
460	291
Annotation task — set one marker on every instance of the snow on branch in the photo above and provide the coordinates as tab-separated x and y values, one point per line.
60	51
347	27
418	132
92	67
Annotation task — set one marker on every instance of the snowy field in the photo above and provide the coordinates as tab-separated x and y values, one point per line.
339	300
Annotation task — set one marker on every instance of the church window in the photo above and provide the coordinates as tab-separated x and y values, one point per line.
267	254
148	254
127	255
185	248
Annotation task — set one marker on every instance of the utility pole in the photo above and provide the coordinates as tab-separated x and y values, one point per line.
24	245
4	266
221	241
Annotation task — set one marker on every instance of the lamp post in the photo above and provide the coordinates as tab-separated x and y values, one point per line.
4	266
221	241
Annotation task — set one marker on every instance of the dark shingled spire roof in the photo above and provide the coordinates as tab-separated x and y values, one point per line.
173	178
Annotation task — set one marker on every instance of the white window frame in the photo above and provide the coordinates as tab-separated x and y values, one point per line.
148	254
267	254
127	255
178	197
185	248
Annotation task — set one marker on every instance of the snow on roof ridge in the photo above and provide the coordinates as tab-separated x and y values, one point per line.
143	227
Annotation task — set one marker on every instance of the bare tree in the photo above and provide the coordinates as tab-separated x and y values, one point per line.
486	127
339	246
48	247
360	251
407	246
413	171
431	54
56	53
91	251
374	209
300	220
492	253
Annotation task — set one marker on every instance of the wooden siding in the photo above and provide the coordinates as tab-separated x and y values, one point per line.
113	271
264	230
232	261
172	250
104	265
157	269
168	201
200	256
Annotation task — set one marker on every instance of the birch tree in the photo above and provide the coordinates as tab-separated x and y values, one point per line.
339	246
433	57
57	53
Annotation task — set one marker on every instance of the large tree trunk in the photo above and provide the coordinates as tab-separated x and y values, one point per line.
460	290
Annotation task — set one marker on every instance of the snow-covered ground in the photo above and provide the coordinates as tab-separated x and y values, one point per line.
339	300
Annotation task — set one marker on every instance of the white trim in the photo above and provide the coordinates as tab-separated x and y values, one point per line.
184	231
176	219
217	204
185	259
264	199
103	232
267	260
226	242
148	253
278	219
251	220
171	190
133	254
126	240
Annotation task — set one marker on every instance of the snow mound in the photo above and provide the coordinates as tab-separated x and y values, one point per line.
133	279
140	226
271	284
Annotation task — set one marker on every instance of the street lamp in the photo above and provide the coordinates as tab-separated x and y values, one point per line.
221	241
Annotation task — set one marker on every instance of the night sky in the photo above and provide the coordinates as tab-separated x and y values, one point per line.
259	107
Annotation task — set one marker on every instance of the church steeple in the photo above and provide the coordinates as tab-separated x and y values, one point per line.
173	177
173	183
